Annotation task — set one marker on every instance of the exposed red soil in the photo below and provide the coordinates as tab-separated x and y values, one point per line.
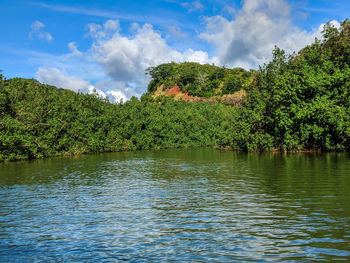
232	99
175	90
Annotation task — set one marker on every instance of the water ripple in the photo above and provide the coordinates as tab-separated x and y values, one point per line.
176	205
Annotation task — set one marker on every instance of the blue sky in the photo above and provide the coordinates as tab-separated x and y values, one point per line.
107	45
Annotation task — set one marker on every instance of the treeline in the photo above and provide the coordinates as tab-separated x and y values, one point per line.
38	120
198	80
295	102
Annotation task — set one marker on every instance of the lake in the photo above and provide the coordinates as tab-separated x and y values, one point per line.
192	205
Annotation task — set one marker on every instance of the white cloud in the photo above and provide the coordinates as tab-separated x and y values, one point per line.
249	38
74	50
36	26
176	32
97	92
56	77
112	25
45	35
229	9
36	30
116	90
98	31
193	6
117	95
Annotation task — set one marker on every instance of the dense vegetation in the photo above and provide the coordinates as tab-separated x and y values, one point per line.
295	102
38	121
301	101
198	80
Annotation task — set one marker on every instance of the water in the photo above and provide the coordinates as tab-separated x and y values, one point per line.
192	205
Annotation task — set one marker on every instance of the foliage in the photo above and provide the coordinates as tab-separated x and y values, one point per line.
198	80
39	121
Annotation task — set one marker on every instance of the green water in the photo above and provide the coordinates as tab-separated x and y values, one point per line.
176	205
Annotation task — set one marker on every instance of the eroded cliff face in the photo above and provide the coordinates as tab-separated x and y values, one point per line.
235	99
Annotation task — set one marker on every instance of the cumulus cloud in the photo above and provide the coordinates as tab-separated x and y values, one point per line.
98	31
193	6
248	39
74	50
114	91
60	79
117	95
36	30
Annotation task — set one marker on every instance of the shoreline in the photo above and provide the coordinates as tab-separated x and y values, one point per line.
221	149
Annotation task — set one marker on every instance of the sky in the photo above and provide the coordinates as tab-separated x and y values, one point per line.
107	46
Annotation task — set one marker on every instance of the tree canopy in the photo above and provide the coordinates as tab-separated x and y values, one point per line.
198	80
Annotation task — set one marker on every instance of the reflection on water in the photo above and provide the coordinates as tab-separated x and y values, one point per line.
176	205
